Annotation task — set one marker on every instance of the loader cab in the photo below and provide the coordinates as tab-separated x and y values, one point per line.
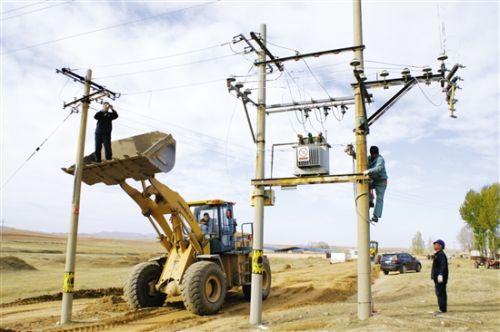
220	228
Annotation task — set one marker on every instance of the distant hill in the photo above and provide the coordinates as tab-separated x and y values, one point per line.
98	235
120	235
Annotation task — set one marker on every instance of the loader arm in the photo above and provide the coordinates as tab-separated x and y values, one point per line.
169	202
183	238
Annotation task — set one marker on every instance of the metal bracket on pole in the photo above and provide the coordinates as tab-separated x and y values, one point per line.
378	113
364	96
249	121
93	96
81	79
268	53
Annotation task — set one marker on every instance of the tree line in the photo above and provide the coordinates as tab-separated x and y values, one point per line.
481	213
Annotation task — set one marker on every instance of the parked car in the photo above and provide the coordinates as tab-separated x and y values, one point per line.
401	262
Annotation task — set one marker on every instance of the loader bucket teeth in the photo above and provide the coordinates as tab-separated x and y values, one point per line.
138	157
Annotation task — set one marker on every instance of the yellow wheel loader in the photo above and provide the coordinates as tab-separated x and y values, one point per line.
204	255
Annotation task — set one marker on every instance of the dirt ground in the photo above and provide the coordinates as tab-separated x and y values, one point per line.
307	294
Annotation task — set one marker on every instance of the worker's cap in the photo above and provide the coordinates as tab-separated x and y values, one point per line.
440	242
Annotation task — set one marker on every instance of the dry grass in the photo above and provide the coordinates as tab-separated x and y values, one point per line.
307	294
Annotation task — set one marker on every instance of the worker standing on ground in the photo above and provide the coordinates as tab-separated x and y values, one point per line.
103	131
378	175
439	274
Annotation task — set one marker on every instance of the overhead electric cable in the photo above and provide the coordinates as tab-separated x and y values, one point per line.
36	150
166	67
114	26
159	57
174	87
22	7
35	10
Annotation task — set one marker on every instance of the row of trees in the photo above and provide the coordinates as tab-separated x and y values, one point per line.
418	246
481	213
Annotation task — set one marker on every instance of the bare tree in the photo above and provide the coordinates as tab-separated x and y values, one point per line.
465	238
418	244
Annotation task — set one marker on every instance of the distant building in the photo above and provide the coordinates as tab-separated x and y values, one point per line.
296	250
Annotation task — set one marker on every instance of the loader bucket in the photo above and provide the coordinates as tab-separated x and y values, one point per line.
137	157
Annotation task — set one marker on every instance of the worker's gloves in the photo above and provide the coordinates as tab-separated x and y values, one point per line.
440	279
366	172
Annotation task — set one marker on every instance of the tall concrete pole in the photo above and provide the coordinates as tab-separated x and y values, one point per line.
69	270
258	193
362	208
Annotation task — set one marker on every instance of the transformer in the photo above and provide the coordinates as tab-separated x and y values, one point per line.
312	156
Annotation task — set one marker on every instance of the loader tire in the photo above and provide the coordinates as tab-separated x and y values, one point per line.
139	288
266	283
203	288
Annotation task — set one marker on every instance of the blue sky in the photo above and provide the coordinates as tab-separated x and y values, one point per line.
432	160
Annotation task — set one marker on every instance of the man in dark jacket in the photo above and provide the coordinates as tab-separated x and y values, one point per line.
439	274
103	131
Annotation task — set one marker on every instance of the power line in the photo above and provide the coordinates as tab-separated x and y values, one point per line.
174	87
427	97
394	64
114	26
36	10
198	133
283	47
159	57
315	78
168	67
36	150
22	7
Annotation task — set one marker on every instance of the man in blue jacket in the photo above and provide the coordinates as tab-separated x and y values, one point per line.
378	175
439	274
103	131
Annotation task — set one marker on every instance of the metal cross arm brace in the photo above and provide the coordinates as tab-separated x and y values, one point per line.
268	53
378	113
93	96
241	37
297	57
364	95
93	85
303	180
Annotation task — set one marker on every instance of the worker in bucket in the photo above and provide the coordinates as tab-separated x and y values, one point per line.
103	131
439	274
378	183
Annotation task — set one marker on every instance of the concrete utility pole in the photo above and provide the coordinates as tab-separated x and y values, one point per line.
258	193
361	199
69	270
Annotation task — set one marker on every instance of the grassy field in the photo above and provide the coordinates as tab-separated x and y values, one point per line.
101	263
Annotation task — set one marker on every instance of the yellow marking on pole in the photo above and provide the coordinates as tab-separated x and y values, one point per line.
69	282
452	98
257	262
